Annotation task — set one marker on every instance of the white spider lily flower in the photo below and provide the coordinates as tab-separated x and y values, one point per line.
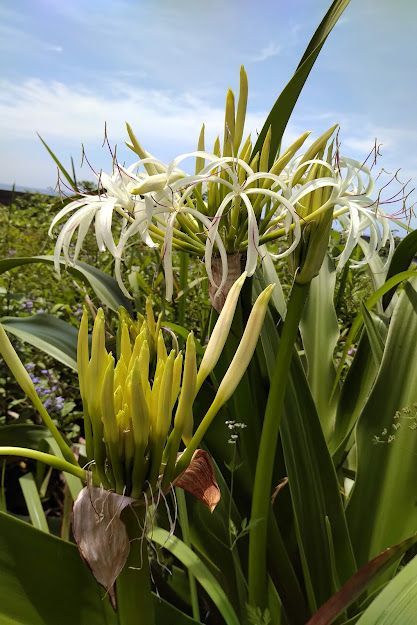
165	196
354	209
116	197
362	215
243	190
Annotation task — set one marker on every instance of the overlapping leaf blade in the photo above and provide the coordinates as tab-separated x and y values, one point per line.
320	332
387	471
397	603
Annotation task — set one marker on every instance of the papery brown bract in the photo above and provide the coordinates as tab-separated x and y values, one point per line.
101	535
199	480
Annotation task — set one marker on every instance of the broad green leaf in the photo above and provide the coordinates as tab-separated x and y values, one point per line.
314	490
404	255
103	285
397	603
33	502
357	584
44	582
320	333
48	333
199	570
23	435
283	107
386	442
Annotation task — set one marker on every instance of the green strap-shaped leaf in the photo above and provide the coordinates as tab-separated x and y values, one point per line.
71	181
386	441
283	107
376	342
320	332
199	571
397	603
103	285
24	435
49	334
313	483
314	490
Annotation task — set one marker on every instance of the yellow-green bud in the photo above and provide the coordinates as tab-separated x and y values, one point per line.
220	332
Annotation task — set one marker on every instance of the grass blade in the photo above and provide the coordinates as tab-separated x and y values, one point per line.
33	502
386	441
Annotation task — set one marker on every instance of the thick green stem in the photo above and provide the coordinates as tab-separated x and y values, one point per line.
261	501
135	603
52	461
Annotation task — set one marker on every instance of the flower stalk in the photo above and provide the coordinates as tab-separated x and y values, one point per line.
135	603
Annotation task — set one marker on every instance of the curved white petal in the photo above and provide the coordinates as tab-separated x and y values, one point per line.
220	246
253	237
166	254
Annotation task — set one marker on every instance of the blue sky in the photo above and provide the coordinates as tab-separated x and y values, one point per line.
165	67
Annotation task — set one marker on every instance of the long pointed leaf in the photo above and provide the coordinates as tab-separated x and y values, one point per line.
354	393
312	481
283	107
60	166
320	332
404	255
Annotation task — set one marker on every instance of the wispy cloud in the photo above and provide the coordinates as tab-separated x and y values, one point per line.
66	111
50	47
166	122
267	52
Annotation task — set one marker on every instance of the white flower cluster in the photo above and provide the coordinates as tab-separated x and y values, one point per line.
151	198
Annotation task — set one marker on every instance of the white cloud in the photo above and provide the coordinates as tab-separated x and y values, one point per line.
50	47
66	115
68	111
267	52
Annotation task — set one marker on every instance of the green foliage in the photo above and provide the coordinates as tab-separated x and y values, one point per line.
314	453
